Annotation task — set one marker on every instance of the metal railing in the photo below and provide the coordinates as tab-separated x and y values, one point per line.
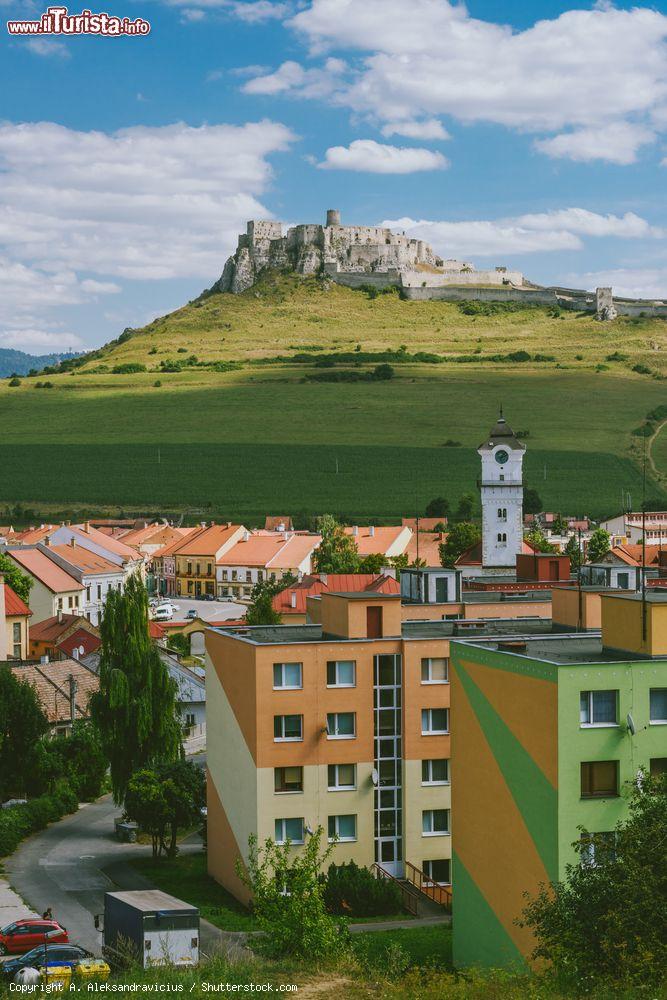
408	899
438	893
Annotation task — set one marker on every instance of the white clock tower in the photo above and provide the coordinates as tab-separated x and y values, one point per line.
501	488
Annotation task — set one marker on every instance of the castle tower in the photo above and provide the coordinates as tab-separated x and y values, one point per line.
501	489
333	217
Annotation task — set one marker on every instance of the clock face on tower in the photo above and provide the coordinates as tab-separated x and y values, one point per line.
501	457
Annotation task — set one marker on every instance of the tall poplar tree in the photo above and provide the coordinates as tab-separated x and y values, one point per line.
135	708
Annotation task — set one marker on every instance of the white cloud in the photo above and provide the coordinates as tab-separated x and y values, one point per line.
32	340
618	142
543	232
48	47
598	77
100	287
192	15
291	76
429	129
376	158
255	11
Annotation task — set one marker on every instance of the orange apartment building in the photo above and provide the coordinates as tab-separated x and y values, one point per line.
342	723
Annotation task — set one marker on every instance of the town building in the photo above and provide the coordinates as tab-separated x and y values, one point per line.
63	688
53	588
621	566
14	624
549	732
342	723
162	574
385	540
501	493
631	526
97	574
113	549
63	637
291	603
263	556
198	556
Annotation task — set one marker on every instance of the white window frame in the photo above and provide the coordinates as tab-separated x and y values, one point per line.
427	661
337	837
338	683
287	739
428	862
430	782
434	732
435	833
655	722
287	687
287	791
342	788
283	838
341	736
597	725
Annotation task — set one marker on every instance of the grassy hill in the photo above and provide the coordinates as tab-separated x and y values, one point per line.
231	416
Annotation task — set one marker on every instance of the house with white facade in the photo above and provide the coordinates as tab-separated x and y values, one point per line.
53	589
114	550
264	556
97	574
629	527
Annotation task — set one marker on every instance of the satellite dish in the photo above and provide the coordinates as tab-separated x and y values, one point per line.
631	724
309	830
375	777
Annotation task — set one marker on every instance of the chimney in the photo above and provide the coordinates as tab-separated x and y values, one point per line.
86	527
355	530
60	616
293	599
44	660
72	542
371	531
47	540
246	535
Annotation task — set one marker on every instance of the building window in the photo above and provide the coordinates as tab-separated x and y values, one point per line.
60	603
658	705
438	871
435	670
16	630
288	779
435	772
341	725
287	728
598	708
224	575
658	766
599	779
209	569
343	828
289	829
342	777
435	822
341	673
99	591
596	848
60	600
435	721
248	576
502	538
287	676
502	513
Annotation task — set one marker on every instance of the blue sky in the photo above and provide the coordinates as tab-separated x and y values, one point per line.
535	137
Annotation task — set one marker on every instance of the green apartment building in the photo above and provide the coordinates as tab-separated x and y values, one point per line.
550	732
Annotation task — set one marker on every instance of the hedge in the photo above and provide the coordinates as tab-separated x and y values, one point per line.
17	822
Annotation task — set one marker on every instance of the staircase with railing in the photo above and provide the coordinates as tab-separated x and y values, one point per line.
440	894
418	892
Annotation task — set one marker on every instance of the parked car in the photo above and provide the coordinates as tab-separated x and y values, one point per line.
163	614
207	597
56	954
24	935
192	613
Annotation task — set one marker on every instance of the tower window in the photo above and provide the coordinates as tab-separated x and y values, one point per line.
502	538
502	513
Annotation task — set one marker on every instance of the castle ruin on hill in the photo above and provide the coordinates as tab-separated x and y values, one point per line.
373	255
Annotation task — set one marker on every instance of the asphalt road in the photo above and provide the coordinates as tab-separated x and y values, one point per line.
70	865
207	610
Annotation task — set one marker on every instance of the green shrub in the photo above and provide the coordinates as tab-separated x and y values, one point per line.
355	892
20	821
617	356
641	369
383	372
129	368
14	381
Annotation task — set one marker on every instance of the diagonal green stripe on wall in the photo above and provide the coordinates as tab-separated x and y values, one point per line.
490	945
535	796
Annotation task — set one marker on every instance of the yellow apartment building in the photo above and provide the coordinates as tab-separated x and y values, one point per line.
197	558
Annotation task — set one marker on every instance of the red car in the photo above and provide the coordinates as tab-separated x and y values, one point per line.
23	935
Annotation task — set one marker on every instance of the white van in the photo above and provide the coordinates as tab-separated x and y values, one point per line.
164	613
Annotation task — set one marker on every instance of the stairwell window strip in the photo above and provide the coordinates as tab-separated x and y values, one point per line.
435	670
342	777
342	828
598	708
341	673
289	829
287	676
287	728
435	822
435	772
435	721
341	725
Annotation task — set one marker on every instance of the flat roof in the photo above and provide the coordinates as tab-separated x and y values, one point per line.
563	648
151	900
361	595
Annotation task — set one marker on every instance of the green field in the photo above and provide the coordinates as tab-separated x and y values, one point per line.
264	438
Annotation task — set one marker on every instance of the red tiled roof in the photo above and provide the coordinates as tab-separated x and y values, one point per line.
632	554
315	584
272	522
156	630
85	560
76	640
426	545
425	523
32	535
51	682
208	541
107	542
52	628
45	570
375	540
14	606
273	551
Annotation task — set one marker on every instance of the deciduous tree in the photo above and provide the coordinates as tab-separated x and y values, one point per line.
18	581
22	723
337	553
598	545
461	537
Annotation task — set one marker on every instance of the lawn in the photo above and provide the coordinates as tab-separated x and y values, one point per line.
422	946
186	878
238	446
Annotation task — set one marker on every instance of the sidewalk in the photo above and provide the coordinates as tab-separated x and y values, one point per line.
394	925
12	906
